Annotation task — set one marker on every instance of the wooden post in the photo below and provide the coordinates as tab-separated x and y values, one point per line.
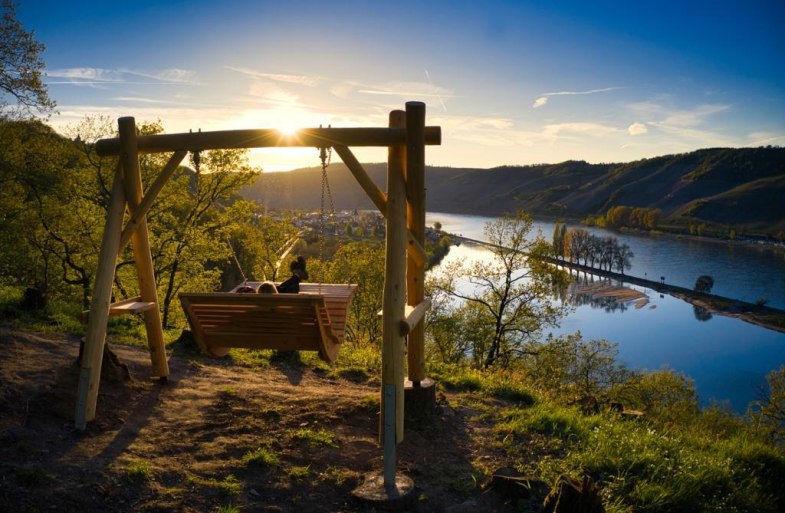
92	356
415	220
141	246
150	196
394	303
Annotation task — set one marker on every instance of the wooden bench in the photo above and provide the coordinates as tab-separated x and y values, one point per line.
313	320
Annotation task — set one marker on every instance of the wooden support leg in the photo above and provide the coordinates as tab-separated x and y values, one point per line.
141	246
394	303
415	219
92	356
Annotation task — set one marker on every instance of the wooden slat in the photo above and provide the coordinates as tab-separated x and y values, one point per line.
305	321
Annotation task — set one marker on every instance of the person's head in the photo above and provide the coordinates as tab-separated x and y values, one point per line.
301	261
267	287
294	265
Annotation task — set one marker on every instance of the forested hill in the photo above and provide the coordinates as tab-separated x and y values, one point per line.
720	186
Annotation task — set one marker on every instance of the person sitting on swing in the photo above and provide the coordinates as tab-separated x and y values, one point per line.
292	285
268	287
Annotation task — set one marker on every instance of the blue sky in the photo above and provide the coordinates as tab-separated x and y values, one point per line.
511	82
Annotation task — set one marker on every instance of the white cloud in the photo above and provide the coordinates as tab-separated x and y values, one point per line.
764	138
407	89
96	76
542	100
303	80
539	102
637	129
592	129
692	117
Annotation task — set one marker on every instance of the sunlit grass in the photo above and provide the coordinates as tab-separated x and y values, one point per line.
262	456
317	438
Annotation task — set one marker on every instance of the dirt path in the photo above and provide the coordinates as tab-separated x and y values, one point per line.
284	439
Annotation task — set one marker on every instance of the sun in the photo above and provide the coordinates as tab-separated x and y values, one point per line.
288	130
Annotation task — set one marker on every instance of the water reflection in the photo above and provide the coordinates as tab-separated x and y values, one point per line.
701	313
727	358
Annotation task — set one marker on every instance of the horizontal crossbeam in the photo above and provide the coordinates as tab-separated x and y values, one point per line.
269	138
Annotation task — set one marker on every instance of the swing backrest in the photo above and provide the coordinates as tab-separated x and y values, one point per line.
314	319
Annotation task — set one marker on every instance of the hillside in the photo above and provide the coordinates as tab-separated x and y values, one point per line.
719	186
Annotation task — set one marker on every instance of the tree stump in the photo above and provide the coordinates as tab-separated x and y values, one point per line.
571	496
33	299
112	369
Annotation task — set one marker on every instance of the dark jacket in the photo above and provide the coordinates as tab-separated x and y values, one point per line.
290	286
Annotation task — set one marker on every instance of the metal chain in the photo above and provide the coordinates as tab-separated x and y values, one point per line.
325	154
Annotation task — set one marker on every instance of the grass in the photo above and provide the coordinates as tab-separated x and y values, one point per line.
227	486
317	438
32	476
263	456
501	385
547	419
56	317
643	466
139	470
228	508
299	472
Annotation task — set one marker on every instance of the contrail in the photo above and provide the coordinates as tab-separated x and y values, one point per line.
428	76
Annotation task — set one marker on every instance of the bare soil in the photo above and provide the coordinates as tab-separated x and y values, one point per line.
179	446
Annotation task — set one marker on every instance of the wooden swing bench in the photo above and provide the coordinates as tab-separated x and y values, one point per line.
313	320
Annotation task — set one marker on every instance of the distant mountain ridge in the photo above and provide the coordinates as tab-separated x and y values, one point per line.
743	187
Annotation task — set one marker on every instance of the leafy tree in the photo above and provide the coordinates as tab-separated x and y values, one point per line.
188	228
49	213
513	291
769	411
622	257
259	241
572	368
360	262
665	394
704	283
22	67
559	232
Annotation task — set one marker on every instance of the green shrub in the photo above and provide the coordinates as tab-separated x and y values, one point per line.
262	456
315	437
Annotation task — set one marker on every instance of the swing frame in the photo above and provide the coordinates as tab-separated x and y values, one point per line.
403	206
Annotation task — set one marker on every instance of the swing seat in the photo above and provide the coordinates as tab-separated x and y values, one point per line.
313	320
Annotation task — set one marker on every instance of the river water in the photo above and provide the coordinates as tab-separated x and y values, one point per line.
728	358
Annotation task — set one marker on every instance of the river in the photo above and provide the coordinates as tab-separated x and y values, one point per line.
728	358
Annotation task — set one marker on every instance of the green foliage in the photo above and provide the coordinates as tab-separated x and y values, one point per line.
228	508
769	412
547	419
665	394
22	69
571	368
650	470
263	456
502	385
317	438
704	283
299	472
137	469
359	262
643	218
511	295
